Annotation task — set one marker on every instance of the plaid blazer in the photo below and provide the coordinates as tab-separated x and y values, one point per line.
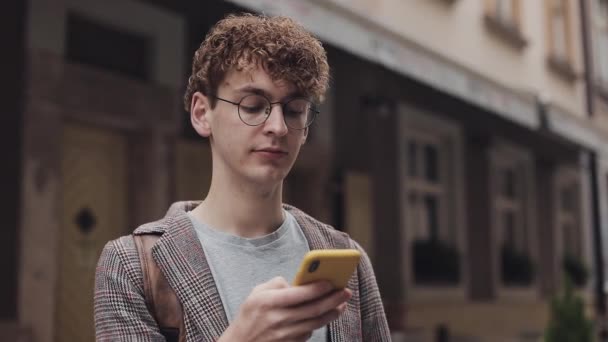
120	309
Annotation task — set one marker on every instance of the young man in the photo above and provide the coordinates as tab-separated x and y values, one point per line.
254	89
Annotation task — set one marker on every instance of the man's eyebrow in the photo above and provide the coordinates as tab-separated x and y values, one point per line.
259	91
253	90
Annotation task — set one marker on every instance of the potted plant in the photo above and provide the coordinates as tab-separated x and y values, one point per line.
435	262
575	269
516	267
568	322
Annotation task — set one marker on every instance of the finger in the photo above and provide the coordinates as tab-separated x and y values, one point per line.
272	284
289	335
297	295
309	325
318	307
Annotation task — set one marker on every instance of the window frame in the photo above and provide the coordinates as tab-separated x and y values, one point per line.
419	184
564	177
572	174
566	13
562	65
503	154
414	122
514	15
504	204
600	40
508	29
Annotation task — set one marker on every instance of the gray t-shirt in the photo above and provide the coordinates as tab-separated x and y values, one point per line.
239	264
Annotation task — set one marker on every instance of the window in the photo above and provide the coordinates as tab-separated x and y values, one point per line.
600	23
568	222
505	11
92	43
425	187
432	202
509	208
434	244
503	17
559	30
511	178
559	38
568	219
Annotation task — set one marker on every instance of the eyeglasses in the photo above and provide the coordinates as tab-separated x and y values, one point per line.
254	110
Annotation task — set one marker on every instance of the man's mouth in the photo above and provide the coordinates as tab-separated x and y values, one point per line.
270	152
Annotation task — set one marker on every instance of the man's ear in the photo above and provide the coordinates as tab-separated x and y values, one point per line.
199	114
305	135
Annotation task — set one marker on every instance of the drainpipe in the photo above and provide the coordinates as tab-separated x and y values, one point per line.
597	239
600	295
587	60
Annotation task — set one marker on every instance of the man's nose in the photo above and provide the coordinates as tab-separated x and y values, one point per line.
276	121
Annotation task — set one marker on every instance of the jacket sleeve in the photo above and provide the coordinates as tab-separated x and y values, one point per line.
120	309
373	318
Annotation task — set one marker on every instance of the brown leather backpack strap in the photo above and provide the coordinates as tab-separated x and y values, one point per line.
160	298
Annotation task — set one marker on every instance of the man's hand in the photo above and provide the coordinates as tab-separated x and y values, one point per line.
276	311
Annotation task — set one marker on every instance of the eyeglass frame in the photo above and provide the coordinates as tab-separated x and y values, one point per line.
283	104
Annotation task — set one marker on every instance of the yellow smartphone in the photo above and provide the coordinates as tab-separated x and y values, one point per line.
334	265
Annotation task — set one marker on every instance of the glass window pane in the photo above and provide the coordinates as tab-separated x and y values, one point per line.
100	45
504	10
567	233
567	199
508	223
600	14
431	163
558	30
412	158
432	215
508	183
414	218
602	54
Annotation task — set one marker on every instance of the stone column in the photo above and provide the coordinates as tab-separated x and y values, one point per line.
386	208
479	206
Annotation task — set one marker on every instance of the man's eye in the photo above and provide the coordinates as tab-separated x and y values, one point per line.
294	112
252	109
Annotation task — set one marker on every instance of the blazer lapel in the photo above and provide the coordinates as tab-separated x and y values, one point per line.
180	257
317	239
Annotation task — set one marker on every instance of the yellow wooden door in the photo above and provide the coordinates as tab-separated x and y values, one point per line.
358	210
94	176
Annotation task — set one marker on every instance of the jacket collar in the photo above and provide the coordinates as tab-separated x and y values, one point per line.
181	258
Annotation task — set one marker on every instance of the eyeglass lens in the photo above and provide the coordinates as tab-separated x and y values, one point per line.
298	113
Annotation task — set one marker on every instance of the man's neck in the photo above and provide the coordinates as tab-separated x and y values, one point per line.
242	209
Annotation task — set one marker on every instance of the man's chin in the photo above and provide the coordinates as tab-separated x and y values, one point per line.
269	177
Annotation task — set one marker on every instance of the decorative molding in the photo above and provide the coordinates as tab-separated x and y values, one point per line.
562	68
506	31
47	25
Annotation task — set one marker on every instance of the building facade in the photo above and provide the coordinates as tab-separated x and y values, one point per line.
463	143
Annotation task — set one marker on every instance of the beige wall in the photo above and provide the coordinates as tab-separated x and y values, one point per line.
456	30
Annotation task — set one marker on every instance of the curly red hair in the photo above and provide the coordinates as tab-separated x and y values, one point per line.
281	46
